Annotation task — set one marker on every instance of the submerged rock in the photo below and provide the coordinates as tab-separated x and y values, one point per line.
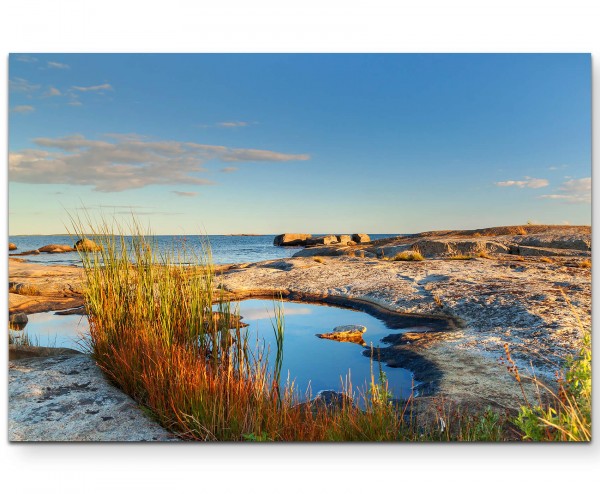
56	249
351	333
291	239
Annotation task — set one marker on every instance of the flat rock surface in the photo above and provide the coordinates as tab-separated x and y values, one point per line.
66	398
495	301
58	287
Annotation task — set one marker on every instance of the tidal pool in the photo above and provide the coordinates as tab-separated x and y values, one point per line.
310	362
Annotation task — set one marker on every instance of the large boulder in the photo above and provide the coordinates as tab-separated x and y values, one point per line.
12	246
454	247
344	239
351	333
361	238
291	239
324	240
56	249
86	245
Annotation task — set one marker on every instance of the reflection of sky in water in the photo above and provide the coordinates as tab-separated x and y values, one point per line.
310	361
316	362
46	329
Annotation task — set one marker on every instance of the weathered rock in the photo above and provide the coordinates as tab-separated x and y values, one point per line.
291	239
321	251
27	253
526	250
351	333
361	238
392	250
18	319
451	247
18	352
67	398
344	239
12	246
556	241
324	240
56	249
22	288
87	245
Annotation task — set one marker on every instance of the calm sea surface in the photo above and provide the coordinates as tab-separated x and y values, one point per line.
225	249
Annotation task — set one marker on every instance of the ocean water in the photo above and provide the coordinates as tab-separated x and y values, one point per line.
226	249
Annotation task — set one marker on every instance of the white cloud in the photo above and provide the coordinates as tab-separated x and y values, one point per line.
26	59
75	103
573	191
22	85
121	164
229	169
23	109
530	183
233	124
58	65
184	194
99	87
52	92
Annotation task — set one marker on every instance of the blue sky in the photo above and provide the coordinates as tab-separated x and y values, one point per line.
318	143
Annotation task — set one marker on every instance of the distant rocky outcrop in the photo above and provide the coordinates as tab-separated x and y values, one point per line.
86	245
361	238
27	253
56	249
291	239
324	240
12	246
307	240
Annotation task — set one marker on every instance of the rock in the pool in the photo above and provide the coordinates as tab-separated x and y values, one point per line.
351	333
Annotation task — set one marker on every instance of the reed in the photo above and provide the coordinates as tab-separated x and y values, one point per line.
161	330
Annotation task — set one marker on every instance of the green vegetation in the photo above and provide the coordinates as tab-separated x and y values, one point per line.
568	416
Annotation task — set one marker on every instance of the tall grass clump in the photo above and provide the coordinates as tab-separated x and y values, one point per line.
162	331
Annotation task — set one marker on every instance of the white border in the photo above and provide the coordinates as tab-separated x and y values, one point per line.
307	26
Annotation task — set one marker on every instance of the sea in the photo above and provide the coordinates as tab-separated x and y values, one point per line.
225	249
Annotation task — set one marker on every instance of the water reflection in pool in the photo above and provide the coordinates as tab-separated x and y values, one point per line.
47	329
308	360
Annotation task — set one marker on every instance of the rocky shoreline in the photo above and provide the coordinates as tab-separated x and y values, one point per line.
522	286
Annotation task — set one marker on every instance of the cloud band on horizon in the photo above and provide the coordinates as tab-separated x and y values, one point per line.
122	164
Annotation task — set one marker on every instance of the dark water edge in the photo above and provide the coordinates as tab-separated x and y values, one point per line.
225	249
